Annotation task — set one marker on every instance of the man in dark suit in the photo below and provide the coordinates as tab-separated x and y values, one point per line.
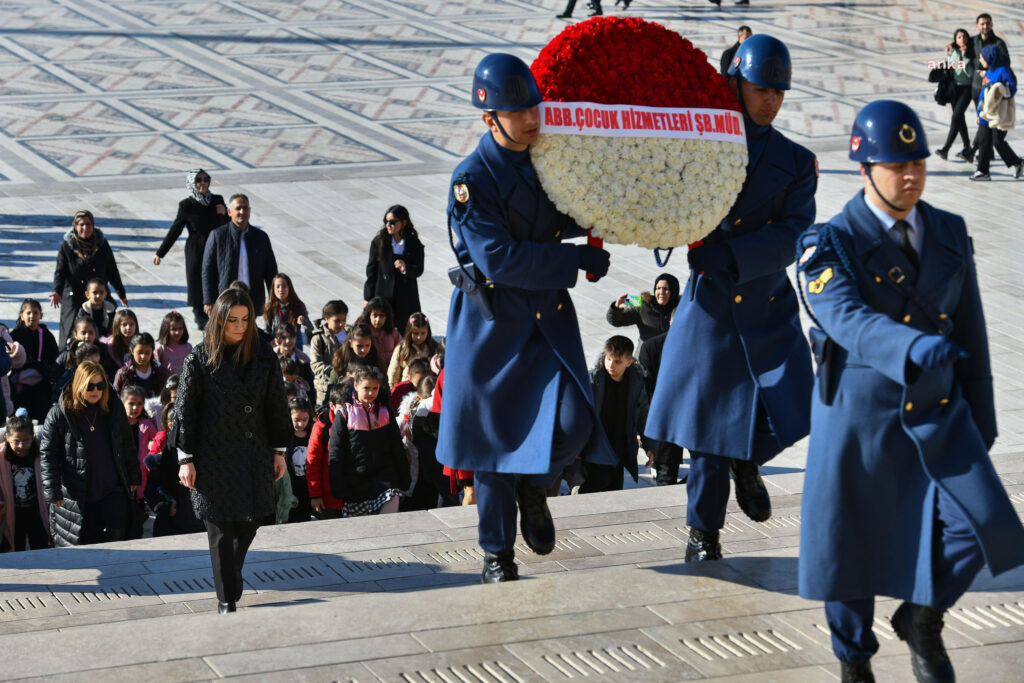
742	33
238	251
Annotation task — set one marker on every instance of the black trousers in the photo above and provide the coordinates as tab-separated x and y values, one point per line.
989	139
29	525
104	520
667	459
958	124
601	478
229	542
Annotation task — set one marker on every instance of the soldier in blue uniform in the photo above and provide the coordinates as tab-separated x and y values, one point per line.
735	381
517	404
900	497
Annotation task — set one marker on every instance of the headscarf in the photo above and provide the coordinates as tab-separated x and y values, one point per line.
997	69
203	198
673	287
86	248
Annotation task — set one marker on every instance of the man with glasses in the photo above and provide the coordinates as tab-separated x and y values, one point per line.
517	404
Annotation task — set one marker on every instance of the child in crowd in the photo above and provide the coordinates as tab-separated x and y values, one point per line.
77	353
85	330
172	343
143	431
296	458
97	307
285	306
168	395
381	320
367	462
30	385
418	369
24	515
284	346
424	471
165	494
124	327
141	369
358	344
328	337
290	372
15	359
418	342
620	397
323	502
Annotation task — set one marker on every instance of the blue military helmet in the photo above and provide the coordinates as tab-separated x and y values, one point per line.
763	60
887	131
503	82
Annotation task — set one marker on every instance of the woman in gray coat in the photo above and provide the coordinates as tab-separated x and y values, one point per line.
231	428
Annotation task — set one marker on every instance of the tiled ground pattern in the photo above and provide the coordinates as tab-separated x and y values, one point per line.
325	113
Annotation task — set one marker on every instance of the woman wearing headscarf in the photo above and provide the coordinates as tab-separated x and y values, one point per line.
996	113
652	316
201	212
83	255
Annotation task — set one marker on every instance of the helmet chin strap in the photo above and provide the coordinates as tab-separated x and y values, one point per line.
497	122
739	96
867	167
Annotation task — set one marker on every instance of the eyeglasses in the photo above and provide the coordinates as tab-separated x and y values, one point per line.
95	386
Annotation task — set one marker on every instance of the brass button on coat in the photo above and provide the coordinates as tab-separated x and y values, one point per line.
738	299
909	406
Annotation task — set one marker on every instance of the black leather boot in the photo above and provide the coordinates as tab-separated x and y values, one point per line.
499	567
703	546
535	521
857	672
751	493
921	628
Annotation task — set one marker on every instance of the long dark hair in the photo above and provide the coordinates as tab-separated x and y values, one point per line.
294	303
164	336
969	51
361	331
213	339
400	213
379	303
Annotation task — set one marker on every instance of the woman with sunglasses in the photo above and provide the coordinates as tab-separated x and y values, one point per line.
201	212
396	261
231	428
89	462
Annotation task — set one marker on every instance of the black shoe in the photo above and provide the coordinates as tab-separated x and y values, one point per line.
702	546
742	2
942	154
964	155
751	493
563	16
225	607
715	2
984	177
534	517
857	672
596	13
1020	169
921	628
499	567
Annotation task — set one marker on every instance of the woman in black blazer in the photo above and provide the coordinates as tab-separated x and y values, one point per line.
231	428
201	212
396	261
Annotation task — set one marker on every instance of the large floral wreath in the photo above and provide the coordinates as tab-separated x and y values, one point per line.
647	146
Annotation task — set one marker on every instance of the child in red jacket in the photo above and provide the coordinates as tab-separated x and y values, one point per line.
324	504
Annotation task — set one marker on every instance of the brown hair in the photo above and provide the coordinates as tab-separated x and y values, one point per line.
74	397
214	335
121	344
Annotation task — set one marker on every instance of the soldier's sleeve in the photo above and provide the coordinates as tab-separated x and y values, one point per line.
829	287
769	249
478	217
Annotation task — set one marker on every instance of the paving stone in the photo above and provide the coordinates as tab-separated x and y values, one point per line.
349	673
483	664
375	565
167	672
29	605
629	538
105	594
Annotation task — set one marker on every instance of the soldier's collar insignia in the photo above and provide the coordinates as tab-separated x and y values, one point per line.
817	286
461	192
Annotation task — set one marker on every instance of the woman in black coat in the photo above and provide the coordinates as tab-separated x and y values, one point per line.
653	314
396	260
90	464
231	428
84	254
201	212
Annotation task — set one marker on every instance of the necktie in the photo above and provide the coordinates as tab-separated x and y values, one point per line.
903	227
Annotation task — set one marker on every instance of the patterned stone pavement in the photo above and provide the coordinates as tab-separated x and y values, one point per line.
325	112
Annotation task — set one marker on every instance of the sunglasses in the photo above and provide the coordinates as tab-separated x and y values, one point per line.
393	222
95	386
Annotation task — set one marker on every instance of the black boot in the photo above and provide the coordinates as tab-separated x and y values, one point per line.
225	607
921	628
534	517
703	546
751	493
499	567
857	672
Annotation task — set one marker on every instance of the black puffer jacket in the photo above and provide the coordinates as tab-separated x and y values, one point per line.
363	463
230	425
64	463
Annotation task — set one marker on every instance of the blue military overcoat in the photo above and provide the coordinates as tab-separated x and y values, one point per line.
502	376
887	435
738	341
